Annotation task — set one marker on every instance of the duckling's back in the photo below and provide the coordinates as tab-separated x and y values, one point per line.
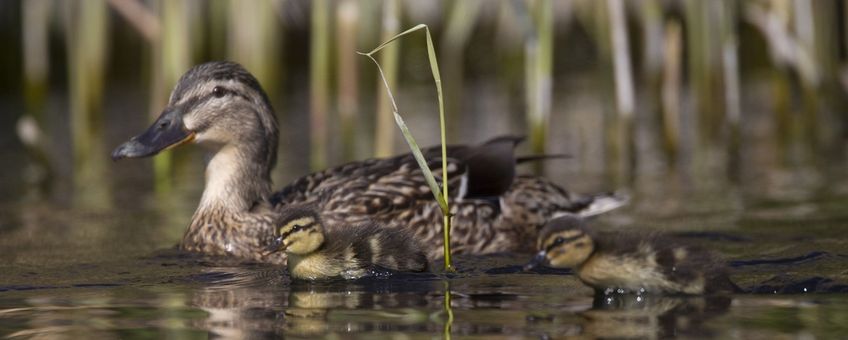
372	244
679	267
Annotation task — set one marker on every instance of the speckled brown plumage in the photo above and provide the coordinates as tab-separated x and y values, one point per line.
220	106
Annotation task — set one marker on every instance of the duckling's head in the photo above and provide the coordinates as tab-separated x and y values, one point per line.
215	104
300	232
563	243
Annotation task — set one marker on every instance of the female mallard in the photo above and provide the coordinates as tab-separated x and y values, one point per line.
635	263
222	107
315	252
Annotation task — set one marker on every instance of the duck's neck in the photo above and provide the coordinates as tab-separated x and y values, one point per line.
235	181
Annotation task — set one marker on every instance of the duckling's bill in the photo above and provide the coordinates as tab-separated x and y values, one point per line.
275	246
538	260
167	131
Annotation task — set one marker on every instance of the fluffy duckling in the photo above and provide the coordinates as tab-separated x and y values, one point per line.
350	252
648	263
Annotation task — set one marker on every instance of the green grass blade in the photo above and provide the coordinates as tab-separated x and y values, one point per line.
422	163
398	36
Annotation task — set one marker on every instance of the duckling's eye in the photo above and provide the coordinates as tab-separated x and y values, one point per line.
218	91
296	228
559	240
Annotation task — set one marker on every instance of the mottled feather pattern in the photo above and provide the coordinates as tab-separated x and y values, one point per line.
218	232
393	192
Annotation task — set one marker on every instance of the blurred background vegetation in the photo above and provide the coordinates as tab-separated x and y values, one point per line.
644	94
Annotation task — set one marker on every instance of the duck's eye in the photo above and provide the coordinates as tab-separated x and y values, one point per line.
559	240
296	228
218	91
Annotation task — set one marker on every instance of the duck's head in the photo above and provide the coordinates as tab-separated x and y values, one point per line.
215	104
300	232
563	243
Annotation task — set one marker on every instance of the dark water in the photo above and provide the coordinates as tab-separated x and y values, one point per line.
73	273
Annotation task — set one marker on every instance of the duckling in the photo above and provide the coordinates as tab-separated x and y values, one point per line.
222	107
350	252
649	263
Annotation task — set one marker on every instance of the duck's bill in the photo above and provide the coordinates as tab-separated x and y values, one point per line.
537	260
167	131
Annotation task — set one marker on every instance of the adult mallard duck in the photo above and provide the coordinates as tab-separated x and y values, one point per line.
221	106
630	262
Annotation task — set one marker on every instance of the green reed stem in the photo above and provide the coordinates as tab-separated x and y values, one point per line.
441	195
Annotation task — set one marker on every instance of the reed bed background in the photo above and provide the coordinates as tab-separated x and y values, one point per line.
639	92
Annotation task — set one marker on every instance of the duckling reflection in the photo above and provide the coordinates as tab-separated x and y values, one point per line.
652	316
626	262
345	307
349	252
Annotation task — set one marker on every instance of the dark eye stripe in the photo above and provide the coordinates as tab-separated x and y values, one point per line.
296	229
193	102
564	241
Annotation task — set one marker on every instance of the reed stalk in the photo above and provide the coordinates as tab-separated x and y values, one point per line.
171	58
730	74
253	40
440	194
347	18
86	37
319	73
139	17
448	311
538	72
384	131
36	23
461	20
671	85
36	48
624	92
827	54
703	45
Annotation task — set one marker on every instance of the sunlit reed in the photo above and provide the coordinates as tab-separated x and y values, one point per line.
319	72
384	133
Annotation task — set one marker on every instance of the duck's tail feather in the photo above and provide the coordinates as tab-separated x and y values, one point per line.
592	205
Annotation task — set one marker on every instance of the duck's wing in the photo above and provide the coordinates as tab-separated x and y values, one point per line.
494	209
377	186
